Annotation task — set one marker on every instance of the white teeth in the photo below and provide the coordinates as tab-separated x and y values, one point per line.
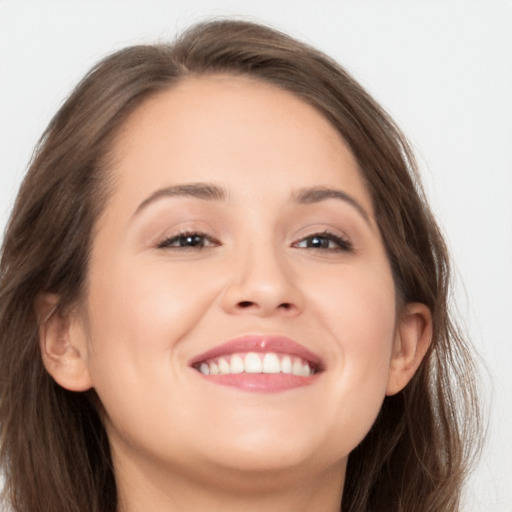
237	364
223	366
286	364
271	363
306	372
297	367
254	362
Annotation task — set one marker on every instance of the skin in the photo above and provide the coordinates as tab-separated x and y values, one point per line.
180	442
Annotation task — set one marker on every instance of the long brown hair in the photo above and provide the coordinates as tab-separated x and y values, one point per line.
54	449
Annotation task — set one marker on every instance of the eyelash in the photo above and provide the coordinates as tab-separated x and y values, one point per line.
199	240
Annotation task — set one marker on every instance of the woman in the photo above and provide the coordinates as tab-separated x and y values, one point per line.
222	289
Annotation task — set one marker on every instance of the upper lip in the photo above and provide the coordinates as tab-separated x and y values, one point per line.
260	343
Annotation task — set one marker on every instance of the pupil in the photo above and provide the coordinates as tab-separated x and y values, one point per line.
191	240
318	242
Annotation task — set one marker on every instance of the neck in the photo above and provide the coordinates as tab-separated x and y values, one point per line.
285	490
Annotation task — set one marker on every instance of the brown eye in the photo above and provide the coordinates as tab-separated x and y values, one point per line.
188	241
325	242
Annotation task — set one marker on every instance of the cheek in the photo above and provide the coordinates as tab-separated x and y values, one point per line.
359	307
358	312
138	314
138	300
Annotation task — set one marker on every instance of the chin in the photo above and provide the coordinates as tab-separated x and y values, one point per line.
273	451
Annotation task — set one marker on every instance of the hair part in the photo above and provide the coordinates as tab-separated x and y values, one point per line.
53	446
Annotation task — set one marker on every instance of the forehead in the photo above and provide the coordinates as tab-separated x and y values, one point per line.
234	130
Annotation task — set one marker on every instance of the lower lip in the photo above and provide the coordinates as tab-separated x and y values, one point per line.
261	382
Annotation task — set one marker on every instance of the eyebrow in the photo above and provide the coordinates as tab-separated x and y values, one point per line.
317	194
205	191
208	191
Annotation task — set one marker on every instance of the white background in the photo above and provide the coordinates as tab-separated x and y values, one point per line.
442	68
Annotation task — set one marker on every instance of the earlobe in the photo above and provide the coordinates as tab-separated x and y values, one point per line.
413	338
63	345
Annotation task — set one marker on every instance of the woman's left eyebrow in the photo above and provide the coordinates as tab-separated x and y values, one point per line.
317	194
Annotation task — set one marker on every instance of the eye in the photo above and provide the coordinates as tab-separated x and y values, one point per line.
191	240
325	241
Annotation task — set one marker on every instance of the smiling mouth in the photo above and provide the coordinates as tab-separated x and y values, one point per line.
259	363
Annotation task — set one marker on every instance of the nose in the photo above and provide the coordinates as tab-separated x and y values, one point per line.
262	283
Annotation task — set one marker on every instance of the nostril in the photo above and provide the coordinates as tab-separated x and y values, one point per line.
250	305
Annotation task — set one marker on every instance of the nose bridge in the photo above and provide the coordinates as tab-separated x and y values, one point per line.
261	280
263	267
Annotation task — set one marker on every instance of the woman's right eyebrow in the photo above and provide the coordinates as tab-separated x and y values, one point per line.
205	191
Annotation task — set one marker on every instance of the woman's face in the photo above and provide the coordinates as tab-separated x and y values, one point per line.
239	245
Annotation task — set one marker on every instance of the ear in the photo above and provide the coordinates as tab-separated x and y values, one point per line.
413	338
63	344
